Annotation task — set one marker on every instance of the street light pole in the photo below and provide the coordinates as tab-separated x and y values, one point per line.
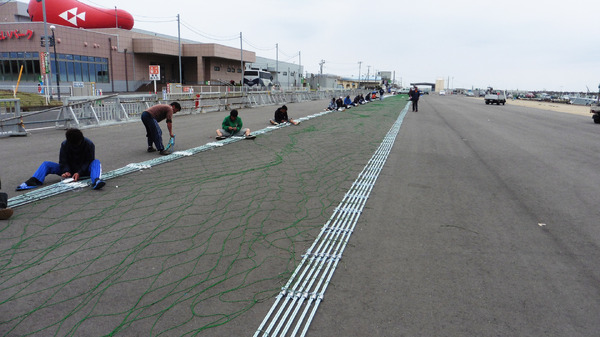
48	79
52	28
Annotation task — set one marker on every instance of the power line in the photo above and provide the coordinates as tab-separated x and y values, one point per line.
156	21
258	48
207	36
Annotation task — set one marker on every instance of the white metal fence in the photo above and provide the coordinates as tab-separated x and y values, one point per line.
98	110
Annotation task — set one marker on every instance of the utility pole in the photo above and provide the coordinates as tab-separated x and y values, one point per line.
179	41
242	62
277	62
300	67
321	72
359	65
368	72
48	79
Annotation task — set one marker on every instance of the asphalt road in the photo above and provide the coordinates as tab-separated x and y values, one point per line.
484	222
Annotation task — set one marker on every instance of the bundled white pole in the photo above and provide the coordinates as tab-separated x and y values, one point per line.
306	287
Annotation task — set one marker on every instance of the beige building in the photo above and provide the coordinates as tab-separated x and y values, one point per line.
440	85
114	59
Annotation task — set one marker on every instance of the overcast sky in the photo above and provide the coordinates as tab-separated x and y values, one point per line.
511	44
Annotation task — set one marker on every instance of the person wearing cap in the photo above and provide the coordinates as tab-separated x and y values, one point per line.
281	116
232	126
340	103
76	159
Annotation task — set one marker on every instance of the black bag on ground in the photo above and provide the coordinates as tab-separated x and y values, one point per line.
3	200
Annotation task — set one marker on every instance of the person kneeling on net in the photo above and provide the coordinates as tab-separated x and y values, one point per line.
232	126
281	116
76	160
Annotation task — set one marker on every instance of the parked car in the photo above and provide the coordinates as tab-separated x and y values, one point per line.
442	93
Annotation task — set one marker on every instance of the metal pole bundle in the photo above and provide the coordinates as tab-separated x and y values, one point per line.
305	289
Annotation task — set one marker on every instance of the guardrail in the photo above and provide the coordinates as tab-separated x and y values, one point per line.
11	123
80	112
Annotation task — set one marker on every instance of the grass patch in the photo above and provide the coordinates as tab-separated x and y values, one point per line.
28	100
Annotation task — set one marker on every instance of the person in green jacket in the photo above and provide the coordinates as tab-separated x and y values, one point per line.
232	126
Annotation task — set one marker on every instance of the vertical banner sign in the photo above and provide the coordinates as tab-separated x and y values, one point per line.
45	63
154	72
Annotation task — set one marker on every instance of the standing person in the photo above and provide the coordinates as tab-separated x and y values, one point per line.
152	117
415	99
232	126
381	92
281	116
77	158
5	212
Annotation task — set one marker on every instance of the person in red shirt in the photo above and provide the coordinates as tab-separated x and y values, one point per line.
152	117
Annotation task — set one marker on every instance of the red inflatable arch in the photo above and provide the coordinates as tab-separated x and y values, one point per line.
72	13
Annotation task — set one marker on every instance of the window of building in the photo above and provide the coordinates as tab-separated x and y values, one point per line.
72	67
10	66
217	68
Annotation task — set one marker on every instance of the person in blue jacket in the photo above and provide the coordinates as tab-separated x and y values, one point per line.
76	160
348	102
414	95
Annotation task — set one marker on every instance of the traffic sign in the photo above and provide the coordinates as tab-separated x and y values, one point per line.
154	72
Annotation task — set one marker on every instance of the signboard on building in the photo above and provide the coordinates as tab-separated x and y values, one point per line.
15	34
154	73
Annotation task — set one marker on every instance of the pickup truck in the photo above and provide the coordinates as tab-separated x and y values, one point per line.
495	96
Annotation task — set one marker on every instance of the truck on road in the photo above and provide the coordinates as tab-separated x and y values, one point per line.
495	96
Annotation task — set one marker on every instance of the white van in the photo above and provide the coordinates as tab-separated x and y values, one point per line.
258	78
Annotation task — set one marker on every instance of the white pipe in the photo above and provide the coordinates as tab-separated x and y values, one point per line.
321	259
